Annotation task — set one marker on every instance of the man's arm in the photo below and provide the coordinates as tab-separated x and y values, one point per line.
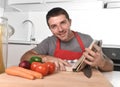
98	59
60	64
107	64
29	54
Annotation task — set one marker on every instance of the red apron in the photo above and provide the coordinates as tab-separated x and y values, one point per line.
66	54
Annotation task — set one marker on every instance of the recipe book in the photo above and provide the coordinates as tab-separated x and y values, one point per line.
79	64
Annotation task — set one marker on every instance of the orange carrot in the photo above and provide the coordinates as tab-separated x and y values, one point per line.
14	72
35	74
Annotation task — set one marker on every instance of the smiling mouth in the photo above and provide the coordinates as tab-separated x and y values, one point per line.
62	35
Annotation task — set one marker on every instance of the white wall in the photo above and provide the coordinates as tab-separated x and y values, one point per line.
88	18
100	24
16	19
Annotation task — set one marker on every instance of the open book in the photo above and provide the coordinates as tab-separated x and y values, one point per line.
79	64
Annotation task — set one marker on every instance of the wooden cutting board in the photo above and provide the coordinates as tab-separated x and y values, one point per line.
59	79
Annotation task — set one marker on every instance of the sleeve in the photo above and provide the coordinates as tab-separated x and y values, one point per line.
43	47
87	39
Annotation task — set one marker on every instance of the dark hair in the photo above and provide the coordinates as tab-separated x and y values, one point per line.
55	12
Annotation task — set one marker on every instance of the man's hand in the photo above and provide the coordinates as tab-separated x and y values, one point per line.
60	64
94	58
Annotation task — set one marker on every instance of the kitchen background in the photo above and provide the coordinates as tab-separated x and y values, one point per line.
99	18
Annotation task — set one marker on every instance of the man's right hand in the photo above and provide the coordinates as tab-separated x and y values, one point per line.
60	64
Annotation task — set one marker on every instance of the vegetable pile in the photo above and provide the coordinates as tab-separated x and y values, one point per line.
32	69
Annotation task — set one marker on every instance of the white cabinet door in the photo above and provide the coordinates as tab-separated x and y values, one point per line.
15	51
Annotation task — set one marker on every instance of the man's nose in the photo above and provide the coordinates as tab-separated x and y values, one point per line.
60	28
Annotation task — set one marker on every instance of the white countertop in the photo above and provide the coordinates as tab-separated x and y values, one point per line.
113	77
22	42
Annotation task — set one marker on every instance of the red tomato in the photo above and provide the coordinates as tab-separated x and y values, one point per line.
34	65
51	67
42	68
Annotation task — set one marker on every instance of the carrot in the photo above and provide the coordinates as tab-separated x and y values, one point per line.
35	74
14	72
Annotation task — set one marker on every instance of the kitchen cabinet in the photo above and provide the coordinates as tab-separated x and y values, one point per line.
10	2
15	51
110	0
13	2
111	3
45	5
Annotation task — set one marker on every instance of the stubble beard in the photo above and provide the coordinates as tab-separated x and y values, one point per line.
68	37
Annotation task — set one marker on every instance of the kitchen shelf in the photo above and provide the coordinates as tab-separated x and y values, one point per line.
36	6
14	2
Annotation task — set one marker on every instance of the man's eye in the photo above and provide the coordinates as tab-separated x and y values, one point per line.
53	27
63	22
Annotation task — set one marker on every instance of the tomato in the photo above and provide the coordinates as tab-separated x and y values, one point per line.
34	65
35	59
51	67
42	68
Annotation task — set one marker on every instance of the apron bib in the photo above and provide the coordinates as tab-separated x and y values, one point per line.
66	54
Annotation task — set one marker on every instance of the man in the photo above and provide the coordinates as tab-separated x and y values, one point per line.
67	45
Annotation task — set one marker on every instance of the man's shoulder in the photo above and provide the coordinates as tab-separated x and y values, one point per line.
86	38
49	39
80	33
83	34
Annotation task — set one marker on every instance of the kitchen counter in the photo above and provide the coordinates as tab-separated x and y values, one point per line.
59	79
113	77
22	42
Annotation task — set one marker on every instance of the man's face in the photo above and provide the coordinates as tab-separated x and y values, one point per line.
60	27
